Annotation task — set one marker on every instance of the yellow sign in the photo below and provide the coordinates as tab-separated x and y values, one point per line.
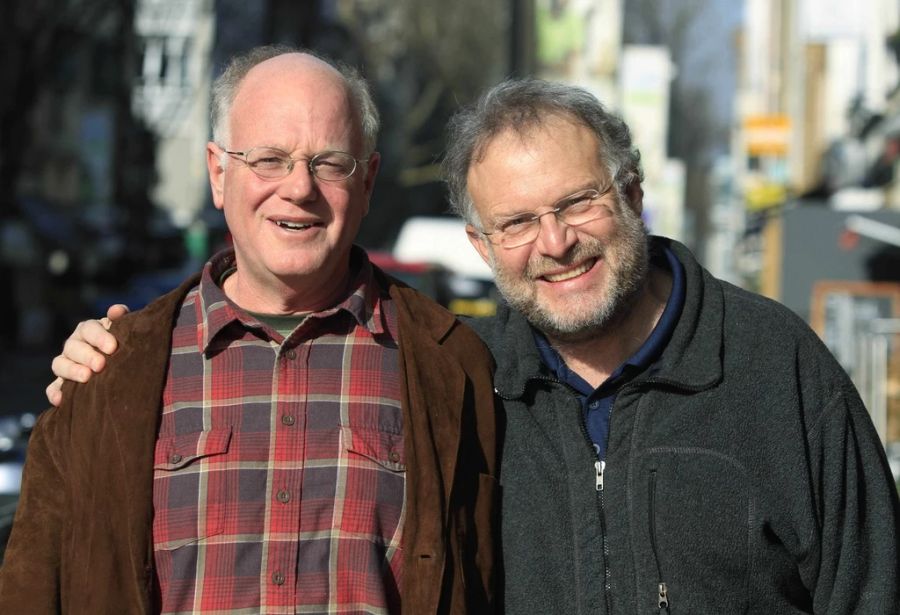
767	134
764	195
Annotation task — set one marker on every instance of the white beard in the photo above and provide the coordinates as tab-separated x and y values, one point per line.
627	259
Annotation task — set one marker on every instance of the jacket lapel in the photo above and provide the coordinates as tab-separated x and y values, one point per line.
134	412
436	387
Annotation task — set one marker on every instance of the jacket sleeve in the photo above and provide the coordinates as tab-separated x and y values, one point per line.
858	563
30	576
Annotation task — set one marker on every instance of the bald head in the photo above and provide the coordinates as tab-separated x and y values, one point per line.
297	63
269	66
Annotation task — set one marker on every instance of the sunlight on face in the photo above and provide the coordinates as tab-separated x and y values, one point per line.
571	280
625	254
292	235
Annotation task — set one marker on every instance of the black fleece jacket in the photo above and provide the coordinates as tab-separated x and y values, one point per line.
743	474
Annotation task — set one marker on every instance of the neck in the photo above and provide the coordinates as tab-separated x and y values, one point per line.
284	296
598	356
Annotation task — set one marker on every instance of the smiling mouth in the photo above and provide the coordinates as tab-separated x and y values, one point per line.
293	226
571	273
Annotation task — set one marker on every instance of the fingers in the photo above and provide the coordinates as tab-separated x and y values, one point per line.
84	352
81	369
63	368
89	339
115	312
54	392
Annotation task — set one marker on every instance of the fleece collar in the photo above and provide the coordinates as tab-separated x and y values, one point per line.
691	361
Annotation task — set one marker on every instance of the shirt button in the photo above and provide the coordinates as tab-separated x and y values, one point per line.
394	456
277	578
284	496
291	354
287	419
175	458
594	405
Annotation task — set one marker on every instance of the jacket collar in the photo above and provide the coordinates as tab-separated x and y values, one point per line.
509	337
692	360
430	318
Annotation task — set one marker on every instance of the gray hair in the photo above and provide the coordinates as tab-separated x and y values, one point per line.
521	105
225	87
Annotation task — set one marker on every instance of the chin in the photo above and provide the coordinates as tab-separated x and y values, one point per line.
296	264
575	321
570	327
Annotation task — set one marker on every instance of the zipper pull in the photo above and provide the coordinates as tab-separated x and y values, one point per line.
663	596
599	466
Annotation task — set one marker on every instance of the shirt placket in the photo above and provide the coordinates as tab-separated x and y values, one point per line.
287	459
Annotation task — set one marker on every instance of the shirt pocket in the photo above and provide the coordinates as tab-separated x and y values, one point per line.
375	484
385	449
189	487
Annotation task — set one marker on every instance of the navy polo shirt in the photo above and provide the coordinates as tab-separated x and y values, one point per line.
597	403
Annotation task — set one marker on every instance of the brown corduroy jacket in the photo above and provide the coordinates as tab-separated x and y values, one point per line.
81	541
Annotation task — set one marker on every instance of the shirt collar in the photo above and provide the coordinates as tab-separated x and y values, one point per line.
650	350
363	300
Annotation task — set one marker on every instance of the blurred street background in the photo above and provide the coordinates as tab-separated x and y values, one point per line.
769	133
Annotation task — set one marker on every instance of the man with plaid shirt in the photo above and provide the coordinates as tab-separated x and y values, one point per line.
291	431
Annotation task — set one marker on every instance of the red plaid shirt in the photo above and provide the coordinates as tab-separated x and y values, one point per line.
279	474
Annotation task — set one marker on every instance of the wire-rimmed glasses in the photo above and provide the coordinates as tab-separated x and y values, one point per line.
271	163
574	210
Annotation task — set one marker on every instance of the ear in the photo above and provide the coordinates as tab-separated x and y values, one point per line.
216	174
634	194
372	167
479	242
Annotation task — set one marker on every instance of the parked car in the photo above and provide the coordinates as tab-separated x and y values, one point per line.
460	294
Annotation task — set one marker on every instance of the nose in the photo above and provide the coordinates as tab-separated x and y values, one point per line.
555	238
299	185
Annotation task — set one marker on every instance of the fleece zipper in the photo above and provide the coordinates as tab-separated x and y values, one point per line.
597	471
662	589
599	468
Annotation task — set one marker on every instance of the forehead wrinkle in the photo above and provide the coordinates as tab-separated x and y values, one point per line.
521	170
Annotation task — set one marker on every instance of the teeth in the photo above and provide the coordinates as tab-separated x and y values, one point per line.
293	226
568	275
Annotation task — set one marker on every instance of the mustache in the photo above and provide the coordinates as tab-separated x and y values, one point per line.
586	248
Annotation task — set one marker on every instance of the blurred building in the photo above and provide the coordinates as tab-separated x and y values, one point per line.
815	114
171	95
810	195
73	162
645	80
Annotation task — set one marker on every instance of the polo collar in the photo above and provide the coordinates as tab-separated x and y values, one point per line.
645	356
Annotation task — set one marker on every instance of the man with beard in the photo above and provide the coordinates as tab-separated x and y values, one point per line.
673	443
